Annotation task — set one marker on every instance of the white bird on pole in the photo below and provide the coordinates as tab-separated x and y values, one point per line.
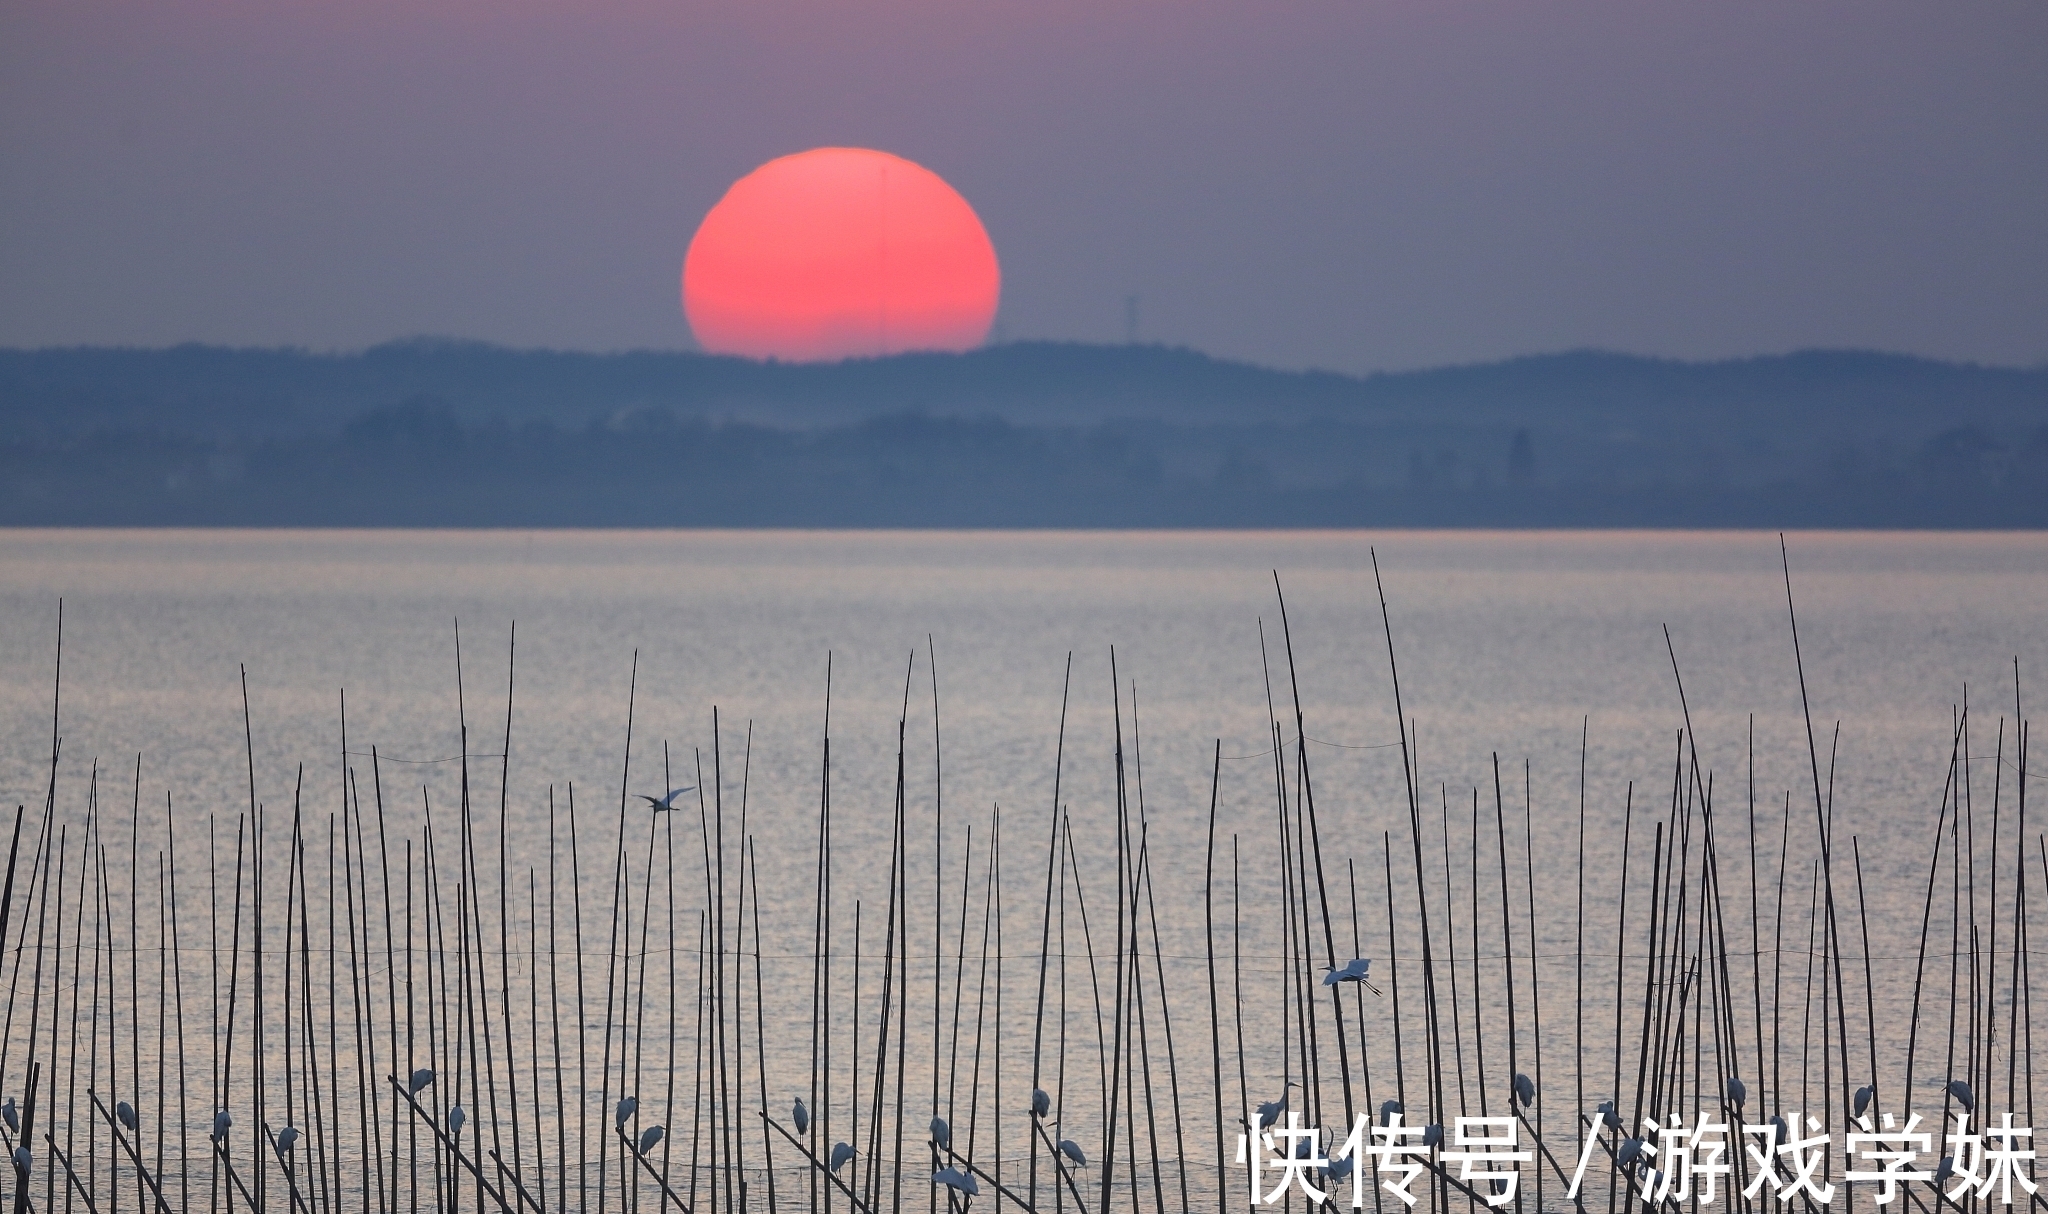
801	1115
650	1138
421	1080
11	1115
1072	1150
222	1123
455	1119
1525	1090
125	1113
624	1112
286	1139
1269	1112
1353	970
1737	1092
1041	1104
955	1178
942	1133
841	1152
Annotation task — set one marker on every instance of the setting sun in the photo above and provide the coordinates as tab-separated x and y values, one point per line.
840	253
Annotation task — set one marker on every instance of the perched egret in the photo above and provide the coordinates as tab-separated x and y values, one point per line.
21	1160
1784	1131
1387	1110
1609	1119
1945	1169
455	1119
1961	1091
1432	1135
1339	1168
942	1133
11	1115
650	1138
666	801
421	1080
285	1140
125	1114
1269	1112
222	1123
841	1152
1863	1095
1072	1151
624	1113
1525	1090
1737	1093
954	1178
1041	1104
1630	1148
801	1115
1353	970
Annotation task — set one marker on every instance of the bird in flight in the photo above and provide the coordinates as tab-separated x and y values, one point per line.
667	802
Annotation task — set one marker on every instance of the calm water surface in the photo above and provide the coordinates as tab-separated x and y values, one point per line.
1509	645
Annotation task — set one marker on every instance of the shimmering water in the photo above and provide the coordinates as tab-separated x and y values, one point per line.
1508	645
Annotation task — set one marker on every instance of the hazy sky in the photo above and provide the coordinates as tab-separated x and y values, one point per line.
1351	184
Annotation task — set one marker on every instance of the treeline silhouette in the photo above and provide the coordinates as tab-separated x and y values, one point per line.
1033	435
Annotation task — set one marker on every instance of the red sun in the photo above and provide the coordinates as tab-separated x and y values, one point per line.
840	253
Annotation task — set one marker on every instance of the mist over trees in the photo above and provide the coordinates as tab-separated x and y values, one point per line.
1028	435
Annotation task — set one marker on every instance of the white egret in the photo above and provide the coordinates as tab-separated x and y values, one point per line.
222	1123
801	1115
1737	1093
1432	1135
955	1178
1608	1117
1525	1090
1387	1110
125	1113
421	1080
1339	1168
1863	1095
11	1115
1353	970
624	1112
667	801
650	1138
1041	1104
286	1139
1072	1150
1269	1112
22	1159
1630	1148
942	1133
841	1152
455	1119
1961	1091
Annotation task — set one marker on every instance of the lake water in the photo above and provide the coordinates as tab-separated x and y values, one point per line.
1509	645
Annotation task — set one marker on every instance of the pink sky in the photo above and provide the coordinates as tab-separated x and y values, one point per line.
1342	183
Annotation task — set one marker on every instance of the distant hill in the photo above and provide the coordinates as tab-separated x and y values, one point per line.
450	433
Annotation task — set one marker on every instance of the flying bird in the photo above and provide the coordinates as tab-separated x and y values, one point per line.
624	1113
1041	1104
125	1113
1072	1151
942	1133
954	1178
1863	1095
841	1152
222	1123
1525	1091
1737	1093
1353	970
802	1116
1961	1091
666	802
285	1140
421	1079
650	1138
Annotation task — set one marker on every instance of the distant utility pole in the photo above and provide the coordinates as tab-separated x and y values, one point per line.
1130	320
